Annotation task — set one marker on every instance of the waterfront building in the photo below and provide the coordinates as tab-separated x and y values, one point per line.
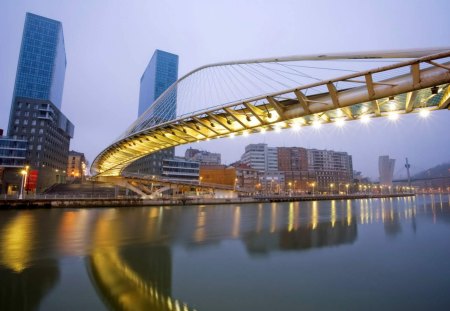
261	157
35	109
386	170
297	169
76	166
218	174
180	168
331	168
247	177
203	157
12	162
160	74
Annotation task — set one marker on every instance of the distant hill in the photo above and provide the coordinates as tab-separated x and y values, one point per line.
442	170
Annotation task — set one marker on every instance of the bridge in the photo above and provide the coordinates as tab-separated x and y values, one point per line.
246	97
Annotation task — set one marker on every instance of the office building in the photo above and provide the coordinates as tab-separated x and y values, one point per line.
261	157
180	168
203	157
35	110
160	74
386	170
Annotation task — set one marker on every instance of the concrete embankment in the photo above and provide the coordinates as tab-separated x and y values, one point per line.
134	202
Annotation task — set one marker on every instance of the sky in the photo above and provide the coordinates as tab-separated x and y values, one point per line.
109	44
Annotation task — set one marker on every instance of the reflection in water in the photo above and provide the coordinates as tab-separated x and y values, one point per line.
16	244
25	290
23	284
129	252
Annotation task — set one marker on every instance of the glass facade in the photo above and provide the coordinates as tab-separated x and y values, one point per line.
161	72
42	60
12	152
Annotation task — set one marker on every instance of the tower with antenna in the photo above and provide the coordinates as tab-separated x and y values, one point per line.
407	165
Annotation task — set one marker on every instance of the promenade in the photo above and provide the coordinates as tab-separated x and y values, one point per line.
49	201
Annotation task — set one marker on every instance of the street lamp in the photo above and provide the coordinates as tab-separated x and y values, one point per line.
346	186
23	182
331	188
290	188
312	185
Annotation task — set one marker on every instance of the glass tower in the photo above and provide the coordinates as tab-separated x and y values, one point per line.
42	60
161	72
36	105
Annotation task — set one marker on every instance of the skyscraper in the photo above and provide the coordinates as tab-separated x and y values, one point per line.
160	74
35	109
386	170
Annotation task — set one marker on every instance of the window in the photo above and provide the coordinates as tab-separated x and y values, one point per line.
33	130
16	121
25	122
41	131
38	147
33	122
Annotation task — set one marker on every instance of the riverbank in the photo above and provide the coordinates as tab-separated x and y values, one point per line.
34	203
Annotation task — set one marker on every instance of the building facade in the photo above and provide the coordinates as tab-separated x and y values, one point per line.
333	170
218	174
261	157
247	177
12	162
299	170
180	168
160	74
76	166
203	157
35	110
386	169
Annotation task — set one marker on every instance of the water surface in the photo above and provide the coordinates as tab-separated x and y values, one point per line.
388	254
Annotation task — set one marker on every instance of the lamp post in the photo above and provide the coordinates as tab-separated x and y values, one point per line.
290	188
23	182
346	186
331	188
312	185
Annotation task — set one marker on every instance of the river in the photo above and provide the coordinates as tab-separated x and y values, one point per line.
368	254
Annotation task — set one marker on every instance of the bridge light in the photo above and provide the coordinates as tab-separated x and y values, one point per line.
212	124
229	122
277	128
424	113
339	122
248	118
245	133
232	135
263	130
365	119
197	127
393	116
295	127
316	124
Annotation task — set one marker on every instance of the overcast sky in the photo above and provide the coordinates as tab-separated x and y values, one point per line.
109	44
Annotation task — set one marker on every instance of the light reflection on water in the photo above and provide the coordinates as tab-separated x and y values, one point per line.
340	254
